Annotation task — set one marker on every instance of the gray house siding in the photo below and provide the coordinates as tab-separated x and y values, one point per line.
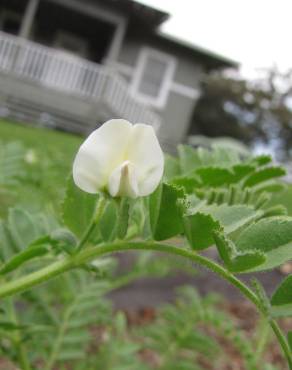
68	111
104	59
183	90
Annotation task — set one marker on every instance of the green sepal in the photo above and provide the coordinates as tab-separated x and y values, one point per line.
165	211
78	208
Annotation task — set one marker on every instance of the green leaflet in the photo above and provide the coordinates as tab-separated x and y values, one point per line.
264	174
214	176
284	310
271	186
171	167
21	227
62	236
60	239
23	257
232	217
7	248
261	160
25	236
199	228
200	222
289	337
12	165
283	294
272	236
218	176
188	183
191	159
234	261
86	307
165	211
22	230
78	208
7	325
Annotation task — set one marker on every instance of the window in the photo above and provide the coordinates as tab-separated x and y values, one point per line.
153	76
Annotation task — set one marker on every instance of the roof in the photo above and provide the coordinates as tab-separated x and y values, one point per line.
151	18
139	12
215	60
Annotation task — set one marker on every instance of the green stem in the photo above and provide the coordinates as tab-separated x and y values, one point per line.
262	339
89	254
58	342
98	213
282	341
19	346
118	283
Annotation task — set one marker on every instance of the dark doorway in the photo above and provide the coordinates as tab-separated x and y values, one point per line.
76	32
11	13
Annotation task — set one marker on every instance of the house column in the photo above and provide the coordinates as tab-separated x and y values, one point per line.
117	41
27	20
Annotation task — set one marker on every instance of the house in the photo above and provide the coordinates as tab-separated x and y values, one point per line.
71	64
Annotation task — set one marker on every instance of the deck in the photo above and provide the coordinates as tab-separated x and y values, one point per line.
54	88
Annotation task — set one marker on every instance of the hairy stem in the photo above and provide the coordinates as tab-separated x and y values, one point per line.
17	340
58	342
86	255
98	213
262	339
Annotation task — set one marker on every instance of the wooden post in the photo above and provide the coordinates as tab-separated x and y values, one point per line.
27	20
117	41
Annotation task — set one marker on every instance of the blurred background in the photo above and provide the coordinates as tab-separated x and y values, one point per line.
198	71
187	68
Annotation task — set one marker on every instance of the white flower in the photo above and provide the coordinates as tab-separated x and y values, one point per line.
121	158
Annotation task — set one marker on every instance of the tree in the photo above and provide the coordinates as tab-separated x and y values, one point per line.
257	112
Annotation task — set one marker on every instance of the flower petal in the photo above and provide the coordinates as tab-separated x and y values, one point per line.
123	181
146	155
101	152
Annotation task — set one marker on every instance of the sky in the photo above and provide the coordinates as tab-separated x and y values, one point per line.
256	33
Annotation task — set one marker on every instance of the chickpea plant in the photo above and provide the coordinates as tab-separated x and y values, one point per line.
126	195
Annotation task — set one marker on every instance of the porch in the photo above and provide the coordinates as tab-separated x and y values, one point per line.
59	89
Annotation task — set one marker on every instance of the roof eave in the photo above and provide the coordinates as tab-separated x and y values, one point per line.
216	60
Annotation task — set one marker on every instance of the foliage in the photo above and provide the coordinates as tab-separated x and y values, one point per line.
221	197
258	112
36	162
180	334
58	322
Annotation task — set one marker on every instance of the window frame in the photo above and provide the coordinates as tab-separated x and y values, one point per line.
161	99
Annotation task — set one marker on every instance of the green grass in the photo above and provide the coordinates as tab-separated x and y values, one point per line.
45	184
42	139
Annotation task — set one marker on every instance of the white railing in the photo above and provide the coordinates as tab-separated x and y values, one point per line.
66	72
